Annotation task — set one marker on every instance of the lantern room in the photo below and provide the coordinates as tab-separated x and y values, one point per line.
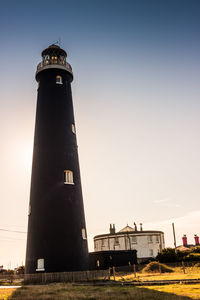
54	57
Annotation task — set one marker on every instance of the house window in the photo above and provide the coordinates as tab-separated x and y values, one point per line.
133	240
116	241
150	252
73	129
84	234
157	239
150	239
102	242
59	80
98	263
68	177
40	264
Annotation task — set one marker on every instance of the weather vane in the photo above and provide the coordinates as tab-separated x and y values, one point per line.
58	42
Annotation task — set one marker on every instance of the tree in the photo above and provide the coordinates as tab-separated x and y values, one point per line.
20	270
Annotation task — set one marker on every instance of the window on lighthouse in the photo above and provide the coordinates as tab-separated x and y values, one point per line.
59	80
73	129
40	264
68	177
84	234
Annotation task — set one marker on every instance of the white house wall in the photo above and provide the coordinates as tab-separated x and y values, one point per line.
143	244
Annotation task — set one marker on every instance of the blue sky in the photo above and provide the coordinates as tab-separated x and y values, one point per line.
136	97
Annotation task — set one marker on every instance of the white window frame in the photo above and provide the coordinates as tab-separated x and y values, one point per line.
157	239
68	177
73	129
59	79
150	239
84	234
116	240
133	240
40	264
151	252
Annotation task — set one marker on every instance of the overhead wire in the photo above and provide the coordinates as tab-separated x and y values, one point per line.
16	231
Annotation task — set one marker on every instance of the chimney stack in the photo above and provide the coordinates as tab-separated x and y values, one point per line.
196	238
112	228
141	227
184	238
135	226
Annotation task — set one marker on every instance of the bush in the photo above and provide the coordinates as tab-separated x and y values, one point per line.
20	270
167	255
7	272
156	267
197	265
195	249
192	257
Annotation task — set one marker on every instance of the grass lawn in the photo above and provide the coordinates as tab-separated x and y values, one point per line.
190	290
190	273
5	293
62	291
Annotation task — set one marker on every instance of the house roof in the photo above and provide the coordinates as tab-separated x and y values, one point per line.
127	228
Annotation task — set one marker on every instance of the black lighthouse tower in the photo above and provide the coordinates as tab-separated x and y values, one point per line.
57	239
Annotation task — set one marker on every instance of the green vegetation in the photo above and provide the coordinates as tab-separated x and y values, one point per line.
196	249
5	293
118	290
192	257
169	255
178	274
157	267
189	290
197	265
63	291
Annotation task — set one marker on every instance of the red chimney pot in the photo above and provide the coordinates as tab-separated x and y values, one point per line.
184	238
196	238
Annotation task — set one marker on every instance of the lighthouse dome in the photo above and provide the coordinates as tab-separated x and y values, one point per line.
54	57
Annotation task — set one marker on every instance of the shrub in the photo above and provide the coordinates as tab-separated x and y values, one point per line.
20	270
155	266
167	255
195	249
192	257
197	265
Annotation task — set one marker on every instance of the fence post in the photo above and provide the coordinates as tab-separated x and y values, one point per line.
183	265
114	273
109	273
160	268
134	270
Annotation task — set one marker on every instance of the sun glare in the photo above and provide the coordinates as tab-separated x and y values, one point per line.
26	154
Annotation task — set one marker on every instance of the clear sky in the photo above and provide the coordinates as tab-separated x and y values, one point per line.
136	95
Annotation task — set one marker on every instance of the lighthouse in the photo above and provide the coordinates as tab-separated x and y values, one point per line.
57	238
